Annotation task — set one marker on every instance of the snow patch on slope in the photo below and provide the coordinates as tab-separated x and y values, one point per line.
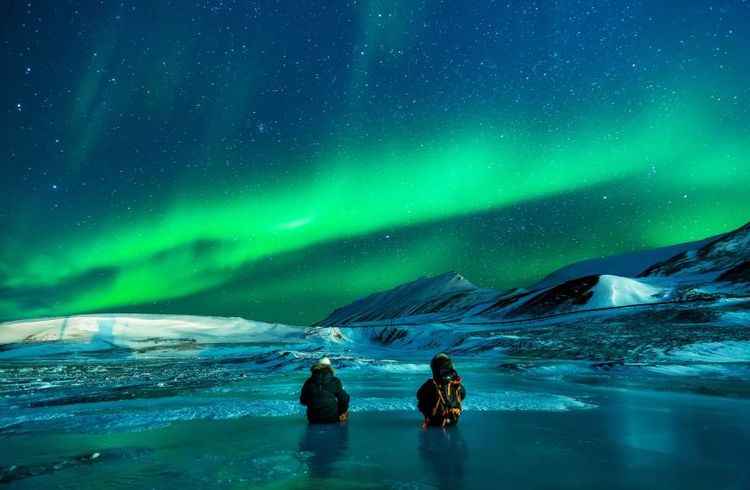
612	291
629	264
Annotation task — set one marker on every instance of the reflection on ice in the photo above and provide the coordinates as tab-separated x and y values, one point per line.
444	453
321	446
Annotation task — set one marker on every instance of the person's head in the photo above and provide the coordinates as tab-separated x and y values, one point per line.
442	366
324	364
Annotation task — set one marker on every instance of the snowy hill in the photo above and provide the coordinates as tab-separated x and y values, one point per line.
590	293
444	297
456	305
628	265
90	333
714	267
714	275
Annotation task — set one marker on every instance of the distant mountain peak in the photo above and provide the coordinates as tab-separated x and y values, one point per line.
426	295
611	282
450	279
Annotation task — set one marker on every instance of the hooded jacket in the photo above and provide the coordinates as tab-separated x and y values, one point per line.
324	396
443	391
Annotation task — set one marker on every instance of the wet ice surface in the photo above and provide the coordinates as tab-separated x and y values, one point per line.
655	399
98	395
234	422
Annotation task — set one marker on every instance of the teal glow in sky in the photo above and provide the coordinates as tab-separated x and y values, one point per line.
243	159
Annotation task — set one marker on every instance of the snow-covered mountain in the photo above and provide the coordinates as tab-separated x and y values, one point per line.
445	297
133	332
706	284
456	301
590	293
729	252
712	268
628	265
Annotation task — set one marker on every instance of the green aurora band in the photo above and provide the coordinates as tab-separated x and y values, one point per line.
681	154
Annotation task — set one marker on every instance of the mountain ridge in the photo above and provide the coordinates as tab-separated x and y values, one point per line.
698	269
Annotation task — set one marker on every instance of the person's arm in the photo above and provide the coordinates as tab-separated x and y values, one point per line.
425	400
342	397
461	392
304	397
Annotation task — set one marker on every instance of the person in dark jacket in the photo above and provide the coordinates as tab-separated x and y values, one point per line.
325	398
440	397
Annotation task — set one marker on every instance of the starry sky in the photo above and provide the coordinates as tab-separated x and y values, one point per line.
276	160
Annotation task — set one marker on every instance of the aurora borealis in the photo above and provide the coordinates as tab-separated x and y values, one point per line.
276	160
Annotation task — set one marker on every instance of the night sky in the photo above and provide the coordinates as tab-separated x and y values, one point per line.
275	160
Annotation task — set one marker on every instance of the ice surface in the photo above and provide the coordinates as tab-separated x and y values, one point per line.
251	433
254	396
691	370
717	352
213	402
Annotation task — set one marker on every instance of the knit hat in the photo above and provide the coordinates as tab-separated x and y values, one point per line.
322	364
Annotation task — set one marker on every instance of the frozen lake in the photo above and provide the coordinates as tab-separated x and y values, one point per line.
229	424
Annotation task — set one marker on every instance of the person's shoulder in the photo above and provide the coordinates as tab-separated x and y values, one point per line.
427	384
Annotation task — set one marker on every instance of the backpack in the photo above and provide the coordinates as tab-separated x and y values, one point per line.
448	407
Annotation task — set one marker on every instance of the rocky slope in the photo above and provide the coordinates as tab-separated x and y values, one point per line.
716	257
705	270
447	297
